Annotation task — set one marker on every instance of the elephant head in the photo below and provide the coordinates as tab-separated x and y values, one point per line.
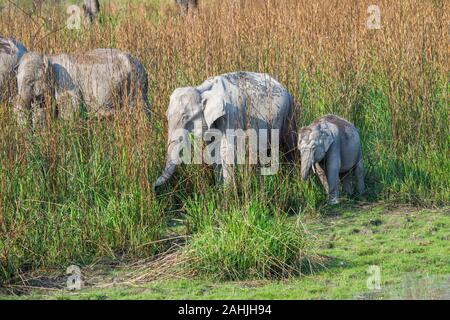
35	81
314	142
191	110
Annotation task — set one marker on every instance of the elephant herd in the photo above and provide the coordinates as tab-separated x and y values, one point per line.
102	80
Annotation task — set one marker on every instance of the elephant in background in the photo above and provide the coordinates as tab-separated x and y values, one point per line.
91	9
101	80
331	145
239	100
11	51
187	5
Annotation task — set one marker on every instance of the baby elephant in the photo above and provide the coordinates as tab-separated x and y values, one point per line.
101	80
332	147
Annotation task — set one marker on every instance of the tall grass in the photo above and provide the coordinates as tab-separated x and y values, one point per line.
76	191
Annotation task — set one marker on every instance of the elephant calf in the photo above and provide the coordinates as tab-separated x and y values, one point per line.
101	80
331	145
11	51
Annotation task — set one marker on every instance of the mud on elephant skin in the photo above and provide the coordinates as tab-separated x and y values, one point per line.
331	146
101	79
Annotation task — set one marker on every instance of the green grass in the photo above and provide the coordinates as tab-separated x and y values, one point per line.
410	246
249	243
76	192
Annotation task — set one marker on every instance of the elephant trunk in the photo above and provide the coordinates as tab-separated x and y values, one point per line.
307	162
169	170
167	173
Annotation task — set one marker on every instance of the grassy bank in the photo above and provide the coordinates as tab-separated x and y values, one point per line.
410	246
77	191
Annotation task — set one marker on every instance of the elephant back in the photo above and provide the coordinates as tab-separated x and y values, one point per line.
265	102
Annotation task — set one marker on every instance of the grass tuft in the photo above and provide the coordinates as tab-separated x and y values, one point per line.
248	243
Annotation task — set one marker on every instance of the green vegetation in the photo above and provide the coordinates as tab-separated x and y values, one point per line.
249	243
76	192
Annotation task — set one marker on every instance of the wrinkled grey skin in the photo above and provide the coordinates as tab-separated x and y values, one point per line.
91	9
331	145
187	5
238	100
101	79
11	51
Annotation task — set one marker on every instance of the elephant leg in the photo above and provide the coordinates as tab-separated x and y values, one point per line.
347	182
359	173
105	111
227	160
38	117
218	172
144	103
224	173
68	106
322	176
183	5
228	174
333	181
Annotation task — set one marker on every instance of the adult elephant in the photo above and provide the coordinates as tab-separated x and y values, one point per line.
11	51
240	100
186	5
101	80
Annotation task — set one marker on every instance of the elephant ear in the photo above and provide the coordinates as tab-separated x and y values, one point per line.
326	136
215	102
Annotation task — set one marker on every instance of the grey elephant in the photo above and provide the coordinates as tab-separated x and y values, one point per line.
232	101
11	51
331	145
101	80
